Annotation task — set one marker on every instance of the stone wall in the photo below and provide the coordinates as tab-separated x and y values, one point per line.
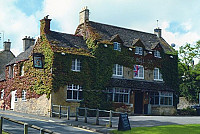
184	103
39	106
163	110
60	98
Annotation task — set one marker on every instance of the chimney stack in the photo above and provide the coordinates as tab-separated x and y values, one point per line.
27	42
84	15
45	25
158	32
6	45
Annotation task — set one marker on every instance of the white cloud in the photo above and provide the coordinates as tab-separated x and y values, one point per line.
16	25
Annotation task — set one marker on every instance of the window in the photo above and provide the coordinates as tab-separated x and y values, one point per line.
157	75
138	72
2	93
23	95
11	71
15	92
166	98
118	95
22	70
157	54
117	70
161	98
76	65
138	50
74	92
117	46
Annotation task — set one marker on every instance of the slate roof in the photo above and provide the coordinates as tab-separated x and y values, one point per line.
129	36
5	57
140	85
22	56
66	40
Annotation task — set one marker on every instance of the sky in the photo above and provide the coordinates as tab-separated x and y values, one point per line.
179	20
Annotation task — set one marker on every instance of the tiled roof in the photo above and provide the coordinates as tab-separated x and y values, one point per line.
22	56
129	36
66	40
5	57
139	85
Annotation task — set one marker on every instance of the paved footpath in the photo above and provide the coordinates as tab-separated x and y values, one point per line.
135	121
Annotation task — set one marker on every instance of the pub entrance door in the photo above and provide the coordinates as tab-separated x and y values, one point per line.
138	109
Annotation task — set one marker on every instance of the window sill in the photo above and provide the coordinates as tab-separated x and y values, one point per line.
76	70
138	77
24	100
158	79
72	100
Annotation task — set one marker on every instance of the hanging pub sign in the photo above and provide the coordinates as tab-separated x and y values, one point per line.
123	123
38	60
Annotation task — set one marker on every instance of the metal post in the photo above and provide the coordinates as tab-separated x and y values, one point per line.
85	115
76	114
1	125
60	111
97	117
68	112
110	120
51	114
41	131
25	128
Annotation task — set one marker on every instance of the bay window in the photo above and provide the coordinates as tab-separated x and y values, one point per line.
161	98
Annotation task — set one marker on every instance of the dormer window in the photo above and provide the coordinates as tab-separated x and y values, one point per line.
117	46
138	50
157	54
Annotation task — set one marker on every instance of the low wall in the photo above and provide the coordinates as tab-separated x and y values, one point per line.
40	106
163	110
184	103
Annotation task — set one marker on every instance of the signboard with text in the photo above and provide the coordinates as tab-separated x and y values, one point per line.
123	124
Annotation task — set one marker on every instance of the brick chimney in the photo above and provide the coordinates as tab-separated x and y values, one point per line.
27	42
45	25
6	45
84	15
158	32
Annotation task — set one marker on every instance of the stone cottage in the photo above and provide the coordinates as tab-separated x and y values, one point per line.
133	70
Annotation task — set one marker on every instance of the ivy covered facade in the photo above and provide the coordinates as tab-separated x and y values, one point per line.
100	66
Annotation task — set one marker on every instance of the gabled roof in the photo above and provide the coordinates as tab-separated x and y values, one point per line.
128	35
22	56
66	40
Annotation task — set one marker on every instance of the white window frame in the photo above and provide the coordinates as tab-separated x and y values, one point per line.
72	88
139	72
76	65
159	75
11	71
157	54
16	99
118	70
164	95
139	50
117	46
119	91
22	70
2	94
23	95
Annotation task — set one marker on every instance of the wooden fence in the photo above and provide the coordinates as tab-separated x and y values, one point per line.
66	113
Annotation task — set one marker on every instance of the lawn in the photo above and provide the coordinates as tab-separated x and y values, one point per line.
168	129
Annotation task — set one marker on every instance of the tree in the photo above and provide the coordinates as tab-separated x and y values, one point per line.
189	74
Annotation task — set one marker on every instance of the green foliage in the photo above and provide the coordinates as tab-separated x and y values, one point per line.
166	129
187	111
189	74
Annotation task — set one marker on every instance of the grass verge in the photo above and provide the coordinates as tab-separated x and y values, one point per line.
168	129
